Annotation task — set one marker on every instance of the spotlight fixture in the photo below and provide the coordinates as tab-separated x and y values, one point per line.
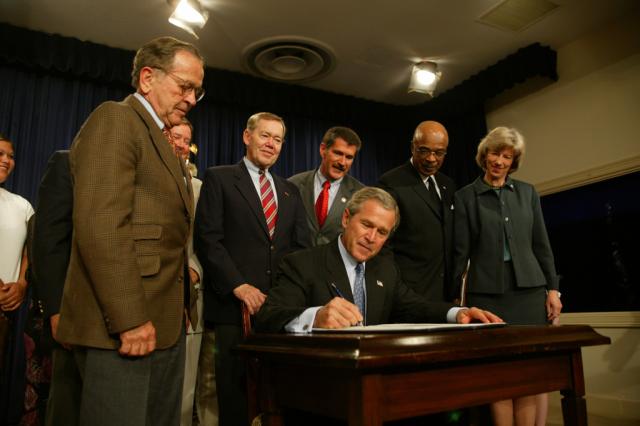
424	78
189	15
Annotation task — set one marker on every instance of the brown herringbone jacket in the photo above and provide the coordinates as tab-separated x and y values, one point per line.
132	213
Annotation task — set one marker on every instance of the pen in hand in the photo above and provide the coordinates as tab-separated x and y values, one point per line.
340	295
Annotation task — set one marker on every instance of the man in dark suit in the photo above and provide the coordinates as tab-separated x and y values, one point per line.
326	190
51	250
247	219
422	245
343	283
52	235
124	295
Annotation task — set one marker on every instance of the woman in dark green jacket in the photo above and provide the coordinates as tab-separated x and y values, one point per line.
501	243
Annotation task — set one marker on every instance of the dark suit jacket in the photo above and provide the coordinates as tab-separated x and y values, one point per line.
232	240
333	224
132	213
482	222
304	280
52	232
423	243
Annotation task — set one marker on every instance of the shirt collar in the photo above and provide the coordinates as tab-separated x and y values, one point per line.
481	186
145	103
347	259
253	168
321	179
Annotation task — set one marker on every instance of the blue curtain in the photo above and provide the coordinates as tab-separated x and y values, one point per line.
41	114
49	84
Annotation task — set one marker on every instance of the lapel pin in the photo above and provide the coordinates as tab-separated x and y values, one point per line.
286	194
379	283
344	200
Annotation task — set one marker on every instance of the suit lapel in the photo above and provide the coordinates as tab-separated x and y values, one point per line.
375	292
421	189
248	191
446	196
306	192
337	273
171	161
284	205
339	202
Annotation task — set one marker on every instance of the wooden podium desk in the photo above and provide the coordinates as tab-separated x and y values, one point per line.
368	379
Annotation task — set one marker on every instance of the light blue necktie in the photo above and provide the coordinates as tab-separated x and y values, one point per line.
358	289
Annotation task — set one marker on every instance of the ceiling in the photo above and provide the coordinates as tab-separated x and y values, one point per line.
375	42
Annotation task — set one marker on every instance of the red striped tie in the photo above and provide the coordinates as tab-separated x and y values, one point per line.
322	203
269	205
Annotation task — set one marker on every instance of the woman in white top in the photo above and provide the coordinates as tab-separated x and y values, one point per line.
15	212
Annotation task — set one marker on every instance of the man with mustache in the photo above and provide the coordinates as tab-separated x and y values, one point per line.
422	245
326	190
345	283
124	293
247	219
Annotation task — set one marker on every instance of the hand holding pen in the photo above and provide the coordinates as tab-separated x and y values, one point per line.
340	295
338	313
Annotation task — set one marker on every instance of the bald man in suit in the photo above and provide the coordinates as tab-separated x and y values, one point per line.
423	244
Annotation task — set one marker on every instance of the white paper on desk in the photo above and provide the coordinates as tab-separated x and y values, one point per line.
401	328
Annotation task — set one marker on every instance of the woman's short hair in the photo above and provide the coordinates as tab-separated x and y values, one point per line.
499	139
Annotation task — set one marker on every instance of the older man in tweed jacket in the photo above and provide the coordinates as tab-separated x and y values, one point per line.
123	301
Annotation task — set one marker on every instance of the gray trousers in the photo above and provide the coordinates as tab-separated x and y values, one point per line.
131	391
206	393
65	390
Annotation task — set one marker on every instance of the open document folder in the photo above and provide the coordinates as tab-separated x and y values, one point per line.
403	328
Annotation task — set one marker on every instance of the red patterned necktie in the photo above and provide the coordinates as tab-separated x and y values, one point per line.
269	205
322	203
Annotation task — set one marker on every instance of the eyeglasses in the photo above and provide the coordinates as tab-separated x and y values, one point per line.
185	86
426	152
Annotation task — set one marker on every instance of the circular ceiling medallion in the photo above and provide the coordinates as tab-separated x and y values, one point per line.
291	59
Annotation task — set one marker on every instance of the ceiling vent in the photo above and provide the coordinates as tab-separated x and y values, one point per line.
516	15
293	60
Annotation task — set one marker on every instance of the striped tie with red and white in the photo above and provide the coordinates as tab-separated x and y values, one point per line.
269	205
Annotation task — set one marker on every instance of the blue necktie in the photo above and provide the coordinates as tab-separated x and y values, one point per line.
358	289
